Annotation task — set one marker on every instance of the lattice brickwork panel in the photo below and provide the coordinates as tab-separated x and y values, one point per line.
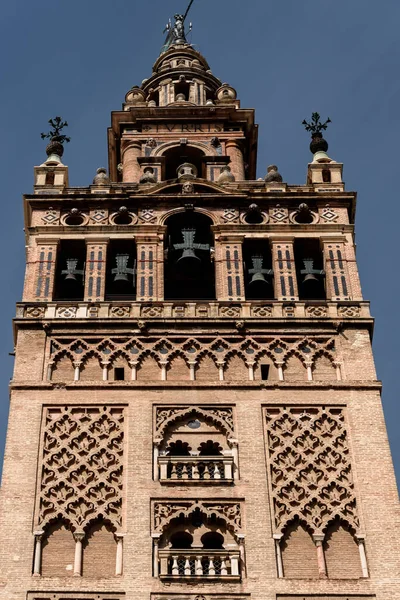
309	466
82	465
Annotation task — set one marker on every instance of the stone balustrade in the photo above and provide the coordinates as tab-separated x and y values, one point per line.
203	564
196	469
195	310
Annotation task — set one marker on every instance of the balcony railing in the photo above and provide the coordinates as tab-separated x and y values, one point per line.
211	564
196	469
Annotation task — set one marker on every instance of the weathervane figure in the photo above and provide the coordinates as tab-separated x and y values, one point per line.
176	34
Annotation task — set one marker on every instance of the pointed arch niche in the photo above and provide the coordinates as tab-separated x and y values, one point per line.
195	539
195	446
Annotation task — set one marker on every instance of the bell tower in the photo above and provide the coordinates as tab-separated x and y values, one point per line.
195	413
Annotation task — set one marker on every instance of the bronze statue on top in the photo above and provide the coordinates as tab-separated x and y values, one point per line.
176	34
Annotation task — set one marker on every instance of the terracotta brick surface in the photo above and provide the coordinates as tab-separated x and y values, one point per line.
320	360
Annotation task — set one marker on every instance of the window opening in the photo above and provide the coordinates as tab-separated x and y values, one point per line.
309	268
121	270
50	175
189	270
257	259
264	372
178	155
119	374
70	270
326	176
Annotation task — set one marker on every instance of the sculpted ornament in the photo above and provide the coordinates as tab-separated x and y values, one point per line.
82	465
309	466
229	511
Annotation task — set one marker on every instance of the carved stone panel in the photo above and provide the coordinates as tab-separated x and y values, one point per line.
310	471
81	475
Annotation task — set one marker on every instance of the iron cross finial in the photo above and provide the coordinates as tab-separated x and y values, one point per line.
315	125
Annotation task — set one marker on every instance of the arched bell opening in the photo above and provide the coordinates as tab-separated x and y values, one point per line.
178	155
259	280
309	269
121	270
70	269
189	271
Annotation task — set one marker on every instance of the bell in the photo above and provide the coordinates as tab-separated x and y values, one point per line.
122	270
258	279
310	274
189	259
121	277
310	278
71	271
188	254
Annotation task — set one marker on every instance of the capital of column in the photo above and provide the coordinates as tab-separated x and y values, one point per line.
79	536
38	535
130	144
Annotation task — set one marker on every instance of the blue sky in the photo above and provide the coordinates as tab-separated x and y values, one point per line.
286	59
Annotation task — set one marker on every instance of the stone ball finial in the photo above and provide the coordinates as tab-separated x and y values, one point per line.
186	171
226	175
318	143
148	176
273	175
101	177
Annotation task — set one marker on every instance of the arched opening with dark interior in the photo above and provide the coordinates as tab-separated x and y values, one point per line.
210	448
178	448
181	540
309	268
259	281
69	282
182	91
326	176
121	270
189	271
184	153
212	540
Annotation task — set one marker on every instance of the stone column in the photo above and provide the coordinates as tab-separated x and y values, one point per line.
233	443
95	271
363	557
119	537
234	151
37	562
229	277
40	273
78	537
150	268
156	539
284	269
132	150
77	370
278	552
338	284
319	540
156	452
